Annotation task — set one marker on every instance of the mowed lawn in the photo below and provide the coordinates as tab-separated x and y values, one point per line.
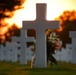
9	68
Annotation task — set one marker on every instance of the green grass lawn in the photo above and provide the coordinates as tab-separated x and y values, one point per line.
8	68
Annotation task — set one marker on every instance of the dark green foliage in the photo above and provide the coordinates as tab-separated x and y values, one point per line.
9	5
51	46
68	23
50	52
52	60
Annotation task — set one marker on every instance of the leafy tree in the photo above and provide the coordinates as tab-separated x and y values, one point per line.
53	43
9	6
68	23
6	11
12	31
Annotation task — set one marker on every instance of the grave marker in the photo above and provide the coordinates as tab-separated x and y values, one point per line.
40	25
23	40
14	52
11	52
29	53
8	47
2	56
72	34
69	48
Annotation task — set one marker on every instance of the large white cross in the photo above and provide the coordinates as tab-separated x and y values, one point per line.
23	39
40	25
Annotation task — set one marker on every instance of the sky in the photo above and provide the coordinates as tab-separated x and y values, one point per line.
54	9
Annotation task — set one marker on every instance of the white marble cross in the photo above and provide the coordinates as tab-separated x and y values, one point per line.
69	54
8	47
11	52
72	35
2	53
14	52
5	52
23	39
29	53
40	25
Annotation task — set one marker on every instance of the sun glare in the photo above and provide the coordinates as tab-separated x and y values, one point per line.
28	12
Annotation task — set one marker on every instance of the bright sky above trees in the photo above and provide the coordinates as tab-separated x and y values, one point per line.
54	9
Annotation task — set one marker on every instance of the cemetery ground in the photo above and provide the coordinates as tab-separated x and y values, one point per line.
9	68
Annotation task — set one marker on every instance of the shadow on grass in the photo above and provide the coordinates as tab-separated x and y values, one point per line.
3	74
52	68
8	68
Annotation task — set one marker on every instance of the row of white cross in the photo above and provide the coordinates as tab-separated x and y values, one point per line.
11	51
39	25
68	54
